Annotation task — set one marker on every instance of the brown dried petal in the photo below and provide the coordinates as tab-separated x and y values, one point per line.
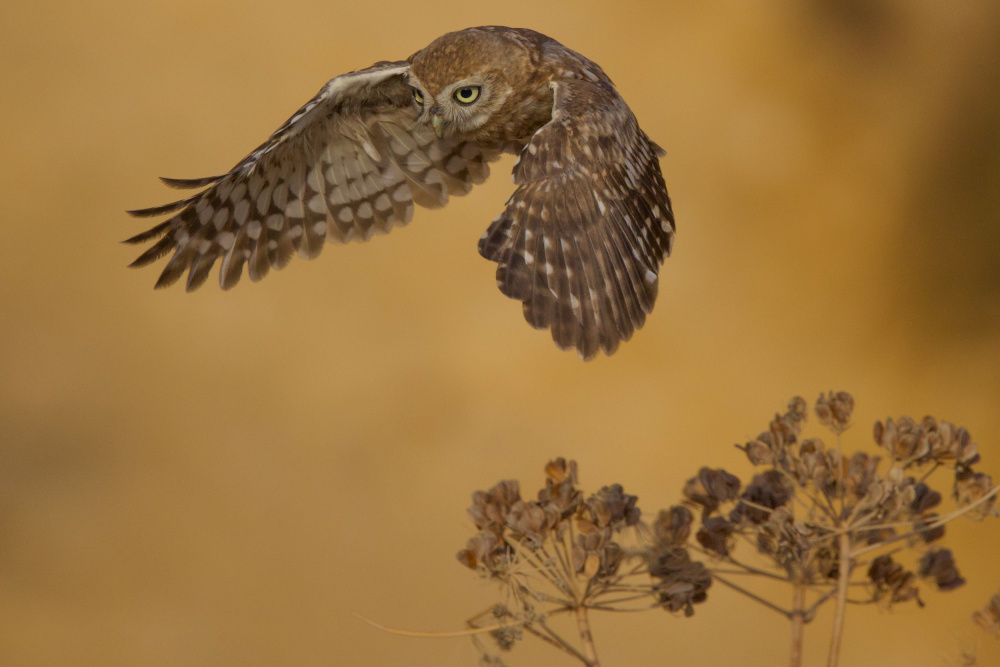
798	409
971	487
484	549
711	488
770	489
928	534
560	471
834	410
925	498
532	520
611	506
988	618
489	508
673	526
905	440
759	452
861	474
950	443
714	535
683	582
891	582
940	565
560	490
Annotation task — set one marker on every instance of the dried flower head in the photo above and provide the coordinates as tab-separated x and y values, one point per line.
565	551
939	565
834	410
489	508
830	523
988	618
815	512
673	526
711	488
891	582
974	488
682	582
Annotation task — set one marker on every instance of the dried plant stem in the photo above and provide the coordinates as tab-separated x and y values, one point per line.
798	623
843	580
940	521
751	595
586	638
548	635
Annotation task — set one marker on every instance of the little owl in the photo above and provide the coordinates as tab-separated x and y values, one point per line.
579	243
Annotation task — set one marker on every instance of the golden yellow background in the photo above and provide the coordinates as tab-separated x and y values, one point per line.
223	478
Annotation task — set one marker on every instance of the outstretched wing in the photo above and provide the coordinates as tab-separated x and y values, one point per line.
349	164
583	237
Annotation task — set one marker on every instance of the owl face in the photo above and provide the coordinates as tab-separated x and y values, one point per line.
462	80
461	106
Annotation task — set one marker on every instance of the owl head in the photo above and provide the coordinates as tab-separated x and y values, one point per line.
462	79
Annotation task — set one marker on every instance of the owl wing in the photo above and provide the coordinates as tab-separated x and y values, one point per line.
581	240
348	164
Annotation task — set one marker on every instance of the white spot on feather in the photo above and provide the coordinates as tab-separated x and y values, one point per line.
316	204
600	204
241	211
220	218
205	214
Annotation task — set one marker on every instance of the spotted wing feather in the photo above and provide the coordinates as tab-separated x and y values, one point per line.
351	163
581	240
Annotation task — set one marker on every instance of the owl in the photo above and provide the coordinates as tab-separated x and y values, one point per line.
579	242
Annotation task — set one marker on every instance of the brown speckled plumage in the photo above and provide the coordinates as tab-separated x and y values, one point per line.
579	243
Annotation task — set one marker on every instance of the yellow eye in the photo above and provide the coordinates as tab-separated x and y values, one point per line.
467	95
418	96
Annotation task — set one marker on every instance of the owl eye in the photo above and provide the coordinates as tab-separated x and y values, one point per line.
418	96
467	95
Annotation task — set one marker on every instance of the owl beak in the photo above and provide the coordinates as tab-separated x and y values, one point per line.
436	122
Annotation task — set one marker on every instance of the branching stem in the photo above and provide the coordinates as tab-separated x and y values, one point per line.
844	578
586	638
798	617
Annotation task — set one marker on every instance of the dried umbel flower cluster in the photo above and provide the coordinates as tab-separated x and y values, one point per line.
572	552
810	495
817	516
842	528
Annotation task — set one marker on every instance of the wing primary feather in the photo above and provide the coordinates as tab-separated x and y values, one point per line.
190	183
200	267
231	267
154	211
614	271
153	253
150	234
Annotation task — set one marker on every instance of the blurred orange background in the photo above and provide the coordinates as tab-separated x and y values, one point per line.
223	478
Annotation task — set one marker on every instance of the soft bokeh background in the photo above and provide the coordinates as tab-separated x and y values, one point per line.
223	478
